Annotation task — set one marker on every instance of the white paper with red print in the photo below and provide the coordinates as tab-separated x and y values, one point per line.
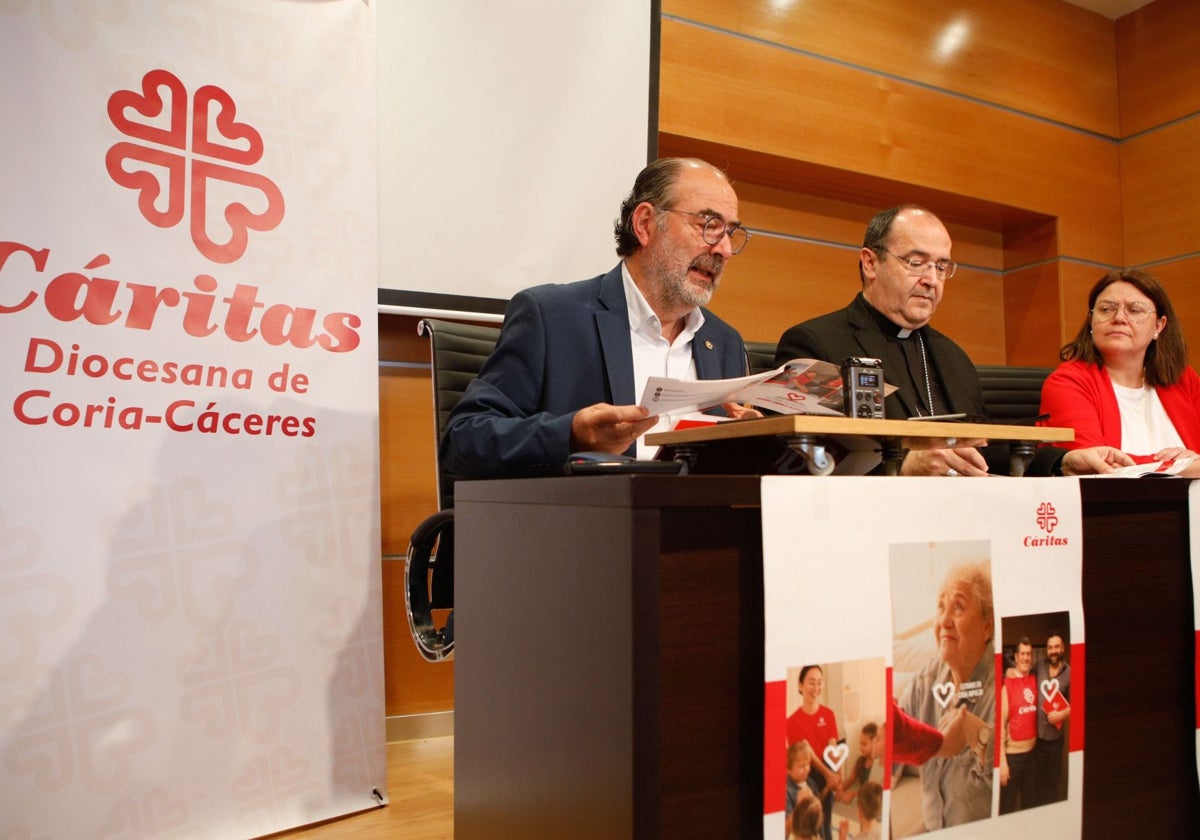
830	546
190	627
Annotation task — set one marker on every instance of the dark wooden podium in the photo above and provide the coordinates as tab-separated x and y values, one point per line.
608	675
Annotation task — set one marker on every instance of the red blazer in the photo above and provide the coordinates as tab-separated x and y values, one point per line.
1080	396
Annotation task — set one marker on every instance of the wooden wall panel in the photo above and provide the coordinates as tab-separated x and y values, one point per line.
1032	315
828	220
782	282
1031	242
1179	278
1076	281
800	214
972	313
1049	59
407	480
1157	67
778	282
745	94
1160	185
748	166
398	340
408	494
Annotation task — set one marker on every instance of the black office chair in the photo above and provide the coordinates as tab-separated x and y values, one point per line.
1012	393
761	356
457	351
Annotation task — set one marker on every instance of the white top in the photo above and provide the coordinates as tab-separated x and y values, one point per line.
1145	426
653	355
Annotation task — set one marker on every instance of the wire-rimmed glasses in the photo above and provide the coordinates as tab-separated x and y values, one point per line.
1137	312
916	266
713	229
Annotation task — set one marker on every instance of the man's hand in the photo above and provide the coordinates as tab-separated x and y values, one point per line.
962	461
608	428
1057	716
1094	460
737	411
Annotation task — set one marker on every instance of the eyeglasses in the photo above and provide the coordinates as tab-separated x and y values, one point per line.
1137	313
714	229
917	266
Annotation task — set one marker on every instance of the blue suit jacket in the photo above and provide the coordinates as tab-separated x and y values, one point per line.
562	348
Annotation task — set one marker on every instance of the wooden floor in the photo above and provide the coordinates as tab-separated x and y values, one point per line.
420	799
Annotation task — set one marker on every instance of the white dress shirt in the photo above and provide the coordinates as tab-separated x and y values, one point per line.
653	355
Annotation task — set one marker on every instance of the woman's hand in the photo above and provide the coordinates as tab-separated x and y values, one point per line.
1173	452
1094	460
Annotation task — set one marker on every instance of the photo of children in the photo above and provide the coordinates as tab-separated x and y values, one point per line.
944	677
800	784
1035	710
870	809
868	762
829	707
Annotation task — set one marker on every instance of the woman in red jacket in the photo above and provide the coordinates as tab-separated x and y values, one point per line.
1125	381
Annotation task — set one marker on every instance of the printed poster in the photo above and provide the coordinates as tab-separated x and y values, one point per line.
190	622
924	658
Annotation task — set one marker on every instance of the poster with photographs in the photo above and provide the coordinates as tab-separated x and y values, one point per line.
918	648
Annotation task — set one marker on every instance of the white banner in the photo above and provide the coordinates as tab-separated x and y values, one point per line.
498	113
899	615
190	629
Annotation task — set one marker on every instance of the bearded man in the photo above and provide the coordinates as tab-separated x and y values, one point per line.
572	359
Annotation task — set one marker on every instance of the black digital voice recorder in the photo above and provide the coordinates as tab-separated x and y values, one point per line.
862	387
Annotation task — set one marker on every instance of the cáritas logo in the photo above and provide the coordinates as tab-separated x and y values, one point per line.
1047	520
217	150
1047	517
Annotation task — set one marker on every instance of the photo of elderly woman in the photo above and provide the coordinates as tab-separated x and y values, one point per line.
944	675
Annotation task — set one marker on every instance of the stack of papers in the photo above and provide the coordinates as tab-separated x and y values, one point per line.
802	386
1153	469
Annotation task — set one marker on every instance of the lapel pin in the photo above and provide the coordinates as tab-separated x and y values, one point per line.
708	344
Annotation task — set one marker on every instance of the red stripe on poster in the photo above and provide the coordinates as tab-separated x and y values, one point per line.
1078	696
891	724
774	746
997	740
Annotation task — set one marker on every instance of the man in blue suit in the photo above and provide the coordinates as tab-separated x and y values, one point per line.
572	359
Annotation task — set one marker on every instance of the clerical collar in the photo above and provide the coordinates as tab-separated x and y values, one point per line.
886	325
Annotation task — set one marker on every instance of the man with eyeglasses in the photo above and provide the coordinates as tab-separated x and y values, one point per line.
571	359
904	265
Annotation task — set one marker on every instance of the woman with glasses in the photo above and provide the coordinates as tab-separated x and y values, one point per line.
1124	380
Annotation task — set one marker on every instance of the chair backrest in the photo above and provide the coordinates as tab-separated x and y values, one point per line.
1011	393
457	352
761	356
